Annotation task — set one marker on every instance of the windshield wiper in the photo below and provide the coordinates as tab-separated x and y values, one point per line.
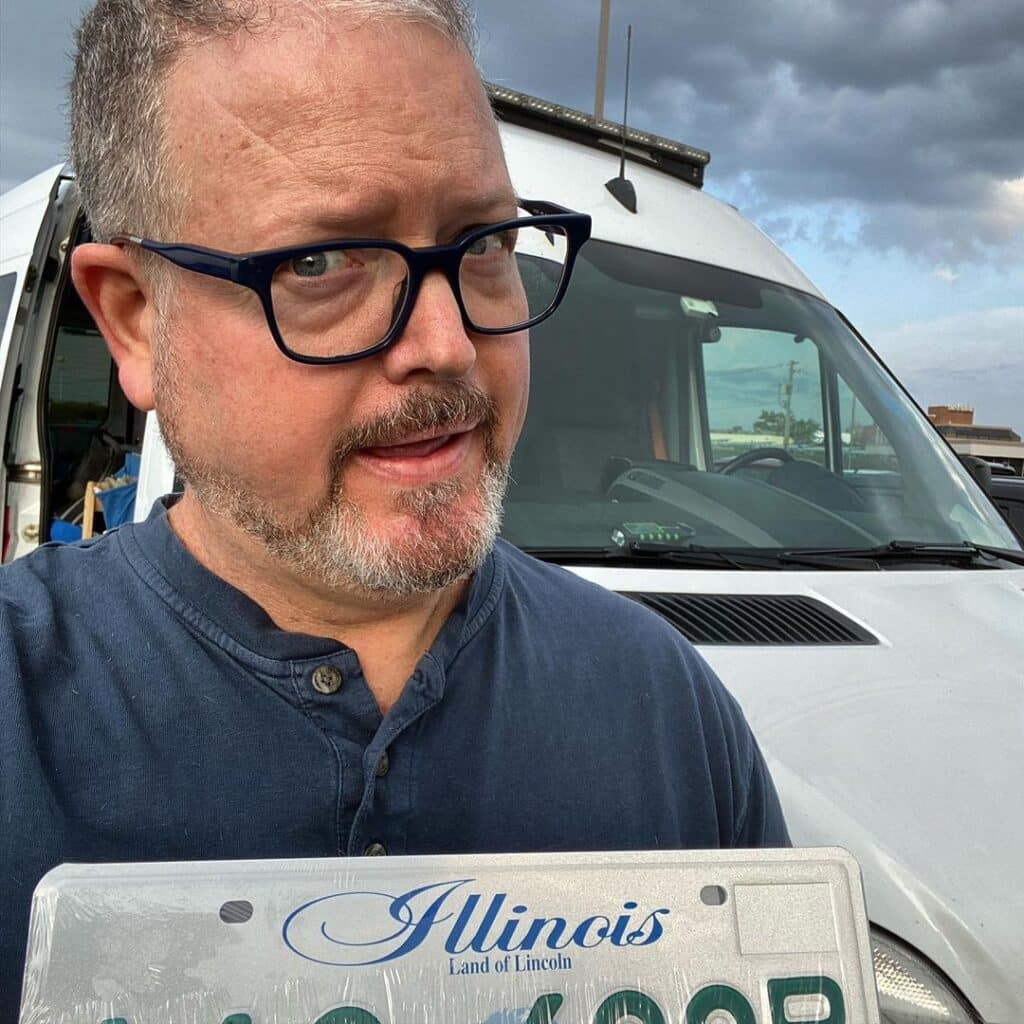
693	556
1017	557
697	557
641	552
765	558
912	550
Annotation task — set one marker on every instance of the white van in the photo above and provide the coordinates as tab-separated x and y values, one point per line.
709	436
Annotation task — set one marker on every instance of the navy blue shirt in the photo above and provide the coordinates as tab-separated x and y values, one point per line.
150	711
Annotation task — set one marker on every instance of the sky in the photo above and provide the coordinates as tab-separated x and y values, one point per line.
880	143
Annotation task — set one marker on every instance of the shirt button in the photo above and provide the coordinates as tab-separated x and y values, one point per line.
375	850
326	679
383	765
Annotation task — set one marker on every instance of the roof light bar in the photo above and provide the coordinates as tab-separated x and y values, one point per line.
681	161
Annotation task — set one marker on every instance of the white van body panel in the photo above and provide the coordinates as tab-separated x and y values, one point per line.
156	470
671	217
22	212
908	753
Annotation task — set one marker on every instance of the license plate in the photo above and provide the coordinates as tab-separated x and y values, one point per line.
709	937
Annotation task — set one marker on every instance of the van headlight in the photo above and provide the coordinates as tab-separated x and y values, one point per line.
911	990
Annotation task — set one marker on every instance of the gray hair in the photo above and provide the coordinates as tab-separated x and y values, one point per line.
125	50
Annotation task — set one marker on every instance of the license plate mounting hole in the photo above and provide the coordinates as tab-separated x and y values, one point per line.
236	911
713	896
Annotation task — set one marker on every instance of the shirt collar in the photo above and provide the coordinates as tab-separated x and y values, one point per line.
224	613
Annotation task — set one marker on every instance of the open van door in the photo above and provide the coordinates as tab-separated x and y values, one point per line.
66	423
30	216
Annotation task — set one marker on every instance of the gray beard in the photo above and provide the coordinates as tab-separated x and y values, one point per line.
336	546
449	543
333	544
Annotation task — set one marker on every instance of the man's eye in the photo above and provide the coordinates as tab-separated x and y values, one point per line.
486	245
319	263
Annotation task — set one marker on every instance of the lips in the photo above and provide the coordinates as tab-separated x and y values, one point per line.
420	459
416	447
410	449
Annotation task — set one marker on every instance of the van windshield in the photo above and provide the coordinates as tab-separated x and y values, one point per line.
684	403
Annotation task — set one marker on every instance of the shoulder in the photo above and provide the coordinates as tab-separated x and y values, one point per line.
51	594
52	569
628	665
551	586
557	599
606	642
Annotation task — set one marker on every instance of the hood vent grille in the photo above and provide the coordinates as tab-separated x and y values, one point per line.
740	619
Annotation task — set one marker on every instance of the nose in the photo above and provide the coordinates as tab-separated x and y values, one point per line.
434	340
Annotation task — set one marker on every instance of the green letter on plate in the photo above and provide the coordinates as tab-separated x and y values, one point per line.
544	1009
779	991
719	997
348	1015
621	1006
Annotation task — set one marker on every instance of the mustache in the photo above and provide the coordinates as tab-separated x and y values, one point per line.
454	404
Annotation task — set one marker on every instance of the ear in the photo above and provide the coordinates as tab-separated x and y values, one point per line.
119	295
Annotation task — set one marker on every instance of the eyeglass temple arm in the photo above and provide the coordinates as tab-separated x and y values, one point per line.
540	209
190	257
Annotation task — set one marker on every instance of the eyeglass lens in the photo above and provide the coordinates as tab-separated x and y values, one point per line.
344	301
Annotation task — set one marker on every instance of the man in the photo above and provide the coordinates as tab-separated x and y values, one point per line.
320	650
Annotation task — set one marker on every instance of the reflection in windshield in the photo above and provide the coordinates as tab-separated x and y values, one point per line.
674	399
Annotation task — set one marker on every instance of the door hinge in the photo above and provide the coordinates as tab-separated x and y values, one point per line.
26	473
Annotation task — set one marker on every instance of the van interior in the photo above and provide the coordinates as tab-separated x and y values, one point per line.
89	425
705	404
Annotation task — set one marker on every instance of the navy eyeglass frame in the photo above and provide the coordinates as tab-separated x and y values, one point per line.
256	270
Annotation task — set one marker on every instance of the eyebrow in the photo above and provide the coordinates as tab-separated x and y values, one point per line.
341	222
505	197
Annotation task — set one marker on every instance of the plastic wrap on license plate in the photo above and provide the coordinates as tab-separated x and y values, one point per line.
716	937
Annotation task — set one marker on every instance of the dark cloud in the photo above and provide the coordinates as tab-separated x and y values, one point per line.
883	123
900	122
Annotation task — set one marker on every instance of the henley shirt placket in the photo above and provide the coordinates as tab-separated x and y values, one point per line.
374	754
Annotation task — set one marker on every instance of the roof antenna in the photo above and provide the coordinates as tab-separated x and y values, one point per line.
621	187
602	59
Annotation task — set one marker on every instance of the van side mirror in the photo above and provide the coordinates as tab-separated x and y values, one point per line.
980	470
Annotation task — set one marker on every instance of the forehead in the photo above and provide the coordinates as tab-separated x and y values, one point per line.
328	121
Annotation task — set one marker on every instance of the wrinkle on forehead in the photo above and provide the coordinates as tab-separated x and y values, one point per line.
374	109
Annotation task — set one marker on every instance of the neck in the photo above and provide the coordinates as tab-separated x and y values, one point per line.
388	635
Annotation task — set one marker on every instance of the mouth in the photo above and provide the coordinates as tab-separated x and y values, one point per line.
420	458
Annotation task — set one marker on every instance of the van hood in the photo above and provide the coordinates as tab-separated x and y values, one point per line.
908	753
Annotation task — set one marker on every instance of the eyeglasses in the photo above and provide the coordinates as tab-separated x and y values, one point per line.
338	301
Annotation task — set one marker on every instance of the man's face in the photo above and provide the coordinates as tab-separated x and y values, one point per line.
385	474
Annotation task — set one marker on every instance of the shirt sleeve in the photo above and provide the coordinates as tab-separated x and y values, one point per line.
760	822
750	813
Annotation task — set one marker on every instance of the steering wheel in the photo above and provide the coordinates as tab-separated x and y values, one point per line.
813	482
755	455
